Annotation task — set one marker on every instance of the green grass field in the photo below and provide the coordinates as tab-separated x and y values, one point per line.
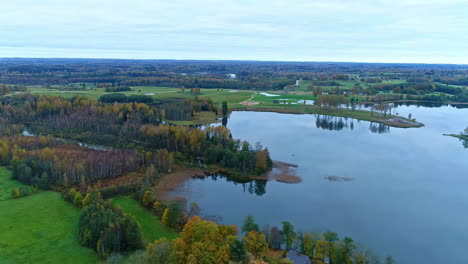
152	228
231	96
41	228
7	184
348	84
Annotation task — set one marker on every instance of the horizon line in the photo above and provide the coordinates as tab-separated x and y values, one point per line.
239	60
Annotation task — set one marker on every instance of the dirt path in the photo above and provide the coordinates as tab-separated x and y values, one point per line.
249	101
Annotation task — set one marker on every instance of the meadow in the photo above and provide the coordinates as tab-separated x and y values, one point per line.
41	228
348	84
7	184
152	228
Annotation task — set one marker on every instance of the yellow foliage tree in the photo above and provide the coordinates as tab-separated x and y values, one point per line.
147	199
165	217
256	244
204	242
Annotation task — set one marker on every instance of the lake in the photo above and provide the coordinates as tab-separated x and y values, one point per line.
408	195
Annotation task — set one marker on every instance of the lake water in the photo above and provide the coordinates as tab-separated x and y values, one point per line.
408	196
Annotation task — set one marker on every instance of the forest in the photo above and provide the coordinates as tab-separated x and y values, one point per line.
134	132
421	81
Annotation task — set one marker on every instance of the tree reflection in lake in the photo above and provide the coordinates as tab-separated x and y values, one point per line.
326	122
379	128
257	187
464	142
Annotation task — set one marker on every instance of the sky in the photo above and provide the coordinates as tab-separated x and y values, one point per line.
406	31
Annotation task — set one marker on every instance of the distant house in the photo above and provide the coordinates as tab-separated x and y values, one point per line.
297	257
297	83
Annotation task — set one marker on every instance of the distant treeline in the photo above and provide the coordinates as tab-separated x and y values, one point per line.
214	74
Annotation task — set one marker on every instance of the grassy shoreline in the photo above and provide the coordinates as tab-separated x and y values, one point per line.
390	120
235	98
463	137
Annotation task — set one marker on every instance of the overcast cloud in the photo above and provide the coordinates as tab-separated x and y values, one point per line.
428	31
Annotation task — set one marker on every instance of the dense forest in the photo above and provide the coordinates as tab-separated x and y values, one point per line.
134	131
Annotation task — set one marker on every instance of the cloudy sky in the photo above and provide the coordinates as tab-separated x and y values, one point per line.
427	31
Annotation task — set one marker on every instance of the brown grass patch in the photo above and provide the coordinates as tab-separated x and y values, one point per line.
275	253
288	178
284	172
401	122
173	180
134	177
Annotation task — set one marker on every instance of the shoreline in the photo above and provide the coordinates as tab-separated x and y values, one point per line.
462	137
391	120
171	181
280	171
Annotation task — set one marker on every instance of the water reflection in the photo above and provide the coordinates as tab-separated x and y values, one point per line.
257	187
379	128
336	123
402	179
464	142
330	122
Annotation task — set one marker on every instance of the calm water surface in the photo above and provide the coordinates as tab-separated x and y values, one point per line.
408	196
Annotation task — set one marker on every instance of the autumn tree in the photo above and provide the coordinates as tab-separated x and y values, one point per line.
360	258
204	241
308	244
148	198
160	252
275	238
256	244
321	250
149	173
164	160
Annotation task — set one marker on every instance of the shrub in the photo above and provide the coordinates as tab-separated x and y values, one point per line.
21	191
